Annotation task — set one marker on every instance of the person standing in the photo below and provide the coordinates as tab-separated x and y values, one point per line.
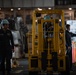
68	36
6	47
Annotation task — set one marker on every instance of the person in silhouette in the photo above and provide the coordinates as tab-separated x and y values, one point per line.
6	47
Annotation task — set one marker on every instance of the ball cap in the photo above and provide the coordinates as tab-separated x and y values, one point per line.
4	21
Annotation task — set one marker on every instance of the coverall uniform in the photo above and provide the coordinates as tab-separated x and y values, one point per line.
6	46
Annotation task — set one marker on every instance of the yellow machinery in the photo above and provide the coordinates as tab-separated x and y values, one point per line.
48	43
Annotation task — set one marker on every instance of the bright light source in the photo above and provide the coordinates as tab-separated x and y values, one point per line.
35	20
49	8
70	8
39	9
59	20
12	9
19	8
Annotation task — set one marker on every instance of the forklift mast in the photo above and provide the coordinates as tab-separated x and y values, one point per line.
48	52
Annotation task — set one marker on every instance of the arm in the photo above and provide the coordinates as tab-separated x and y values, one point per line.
72	34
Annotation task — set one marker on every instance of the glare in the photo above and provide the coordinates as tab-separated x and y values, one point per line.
49	8
39	9
59	20
35	20
70	8
11	9
19	8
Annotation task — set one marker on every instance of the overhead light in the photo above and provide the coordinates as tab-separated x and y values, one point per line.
70	8
39	9
12	9
19	8
49	8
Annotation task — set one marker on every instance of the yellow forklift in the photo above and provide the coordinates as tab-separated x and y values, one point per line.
48	54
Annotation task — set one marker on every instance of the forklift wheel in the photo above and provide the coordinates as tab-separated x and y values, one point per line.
33	72
67	72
